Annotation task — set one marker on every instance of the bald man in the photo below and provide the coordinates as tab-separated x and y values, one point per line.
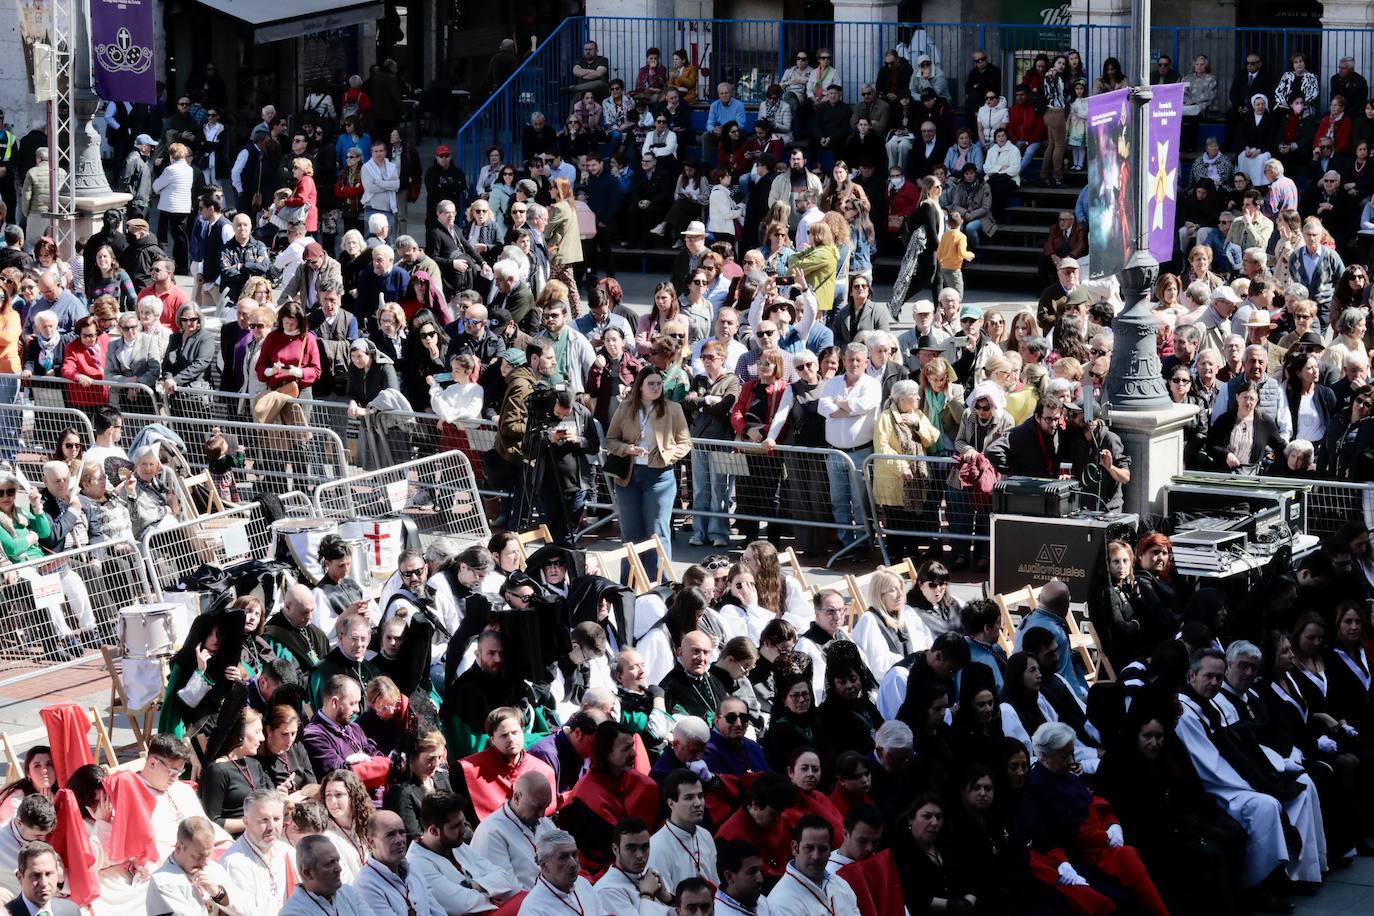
512	831
689	690
291	629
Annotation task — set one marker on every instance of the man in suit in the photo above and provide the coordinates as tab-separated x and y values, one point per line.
925	153
39	872
460	266
317	269
1067	238
651	192
513	296
1253	79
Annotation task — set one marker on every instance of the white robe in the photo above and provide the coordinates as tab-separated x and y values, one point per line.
505	841
171	891
10	843
1259	814
170	808
119	894
350	859
619	894
796	895
262	876
384	891
546	900
454	891
677	855
873	643
345	903
729	906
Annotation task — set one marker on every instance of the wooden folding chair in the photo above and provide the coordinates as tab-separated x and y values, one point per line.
200	489
1104	670
788	559
665	566
538	535
1082	643
9	745
1007	635
103	745
622	565
114	659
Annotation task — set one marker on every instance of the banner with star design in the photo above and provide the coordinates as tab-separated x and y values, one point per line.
1161	175
122	50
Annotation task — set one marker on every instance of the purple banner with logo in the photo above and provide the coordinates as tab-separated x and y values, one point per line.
1161	177
122	50
1110	233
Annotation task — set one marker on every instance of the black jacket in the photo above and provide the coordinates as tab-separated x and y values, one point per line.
445	244
1219	436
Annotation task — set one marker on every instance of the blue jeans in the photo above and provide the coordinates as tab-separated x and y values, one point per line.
9	420
390	222
1028	155
646	508
710	493
846	502
971	230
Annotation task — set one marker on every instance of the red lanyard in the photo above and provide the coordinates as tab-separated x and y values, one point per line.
245	772
271	875
823	901
559	897
405	891
518	826
696	842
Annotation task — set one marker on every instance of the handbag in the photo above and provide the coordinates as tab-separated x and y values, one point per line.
618	466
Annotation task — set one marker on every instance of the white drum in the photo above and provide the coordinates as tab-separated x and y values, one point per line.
298	540
148	630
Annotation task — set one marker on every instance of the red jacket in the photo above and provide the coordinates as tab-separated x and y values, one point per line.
83	360
1025	124
301	350
304	193
902	204
1343	133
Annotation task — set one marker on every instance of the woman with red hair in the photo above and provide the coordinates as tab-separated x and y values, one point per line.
1158	586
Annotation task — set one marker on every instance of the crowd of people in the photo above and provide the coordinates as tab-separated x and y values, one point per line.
495	731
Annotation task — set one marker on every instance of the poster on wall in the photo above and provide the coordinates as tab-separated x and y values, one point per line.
35	18
1161	176
122	50
1111	237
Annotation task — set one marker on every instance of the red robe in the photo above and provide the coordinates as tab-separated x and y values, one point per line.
594	806
876	885
809	801
491	780
73	846
843	801
775	844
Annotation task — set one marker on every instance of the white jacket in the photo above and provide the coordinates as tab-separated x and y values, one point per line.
1003	160
661	147
380	184
173	187
991	118
723	211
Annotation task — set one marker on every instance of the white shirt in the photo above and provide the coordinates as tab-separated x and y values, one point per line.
171	891
262	875
290	260
345	903
619	894
505	839
864	399
547	900
170	809
739	621
871	641
677	855
808	219
380	184
10	843
797	895
384	891
729	906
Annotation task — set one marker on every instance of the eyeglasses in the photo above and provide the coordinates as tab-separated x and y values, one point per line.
698	282
676	336
734	718
67	445
11	490
980	60
1180	380
766	334
822	57
429	333
474	322
1097	351
191	319
258	324
412	573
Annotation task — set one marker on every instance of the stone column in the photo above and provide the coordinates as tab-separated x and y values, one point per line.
860	45
1154	442
1342	14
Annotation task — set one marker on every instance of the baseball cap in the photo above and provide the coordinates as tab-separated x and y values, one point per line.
970	311
1225	293
1066	263
259	132
499	318
144	140
443	151
136	223
923	307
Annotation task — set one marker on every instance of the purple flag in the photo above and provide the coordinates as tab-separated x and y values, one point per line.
122	50
1111	235
1161	178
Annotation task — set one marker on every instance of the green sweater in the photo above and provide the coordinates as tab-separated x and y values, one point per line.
29	529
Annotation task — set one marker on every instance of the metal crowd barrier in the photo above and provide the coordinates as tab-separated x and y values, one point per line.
76	592
29	435
55	391
905	512
280	458
218	539
439	494
789	486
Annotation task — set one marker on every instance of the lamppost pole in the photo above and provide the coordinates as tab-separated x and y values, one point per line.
1134	382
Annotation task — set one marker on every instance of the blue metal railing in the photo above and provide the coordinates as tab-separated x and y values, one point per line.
751	54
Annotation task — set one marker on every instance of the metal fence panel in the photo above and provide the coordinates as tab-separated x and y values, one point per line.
219	539
55	391
439	494
919	507
278	458
789	486
56	611
30	434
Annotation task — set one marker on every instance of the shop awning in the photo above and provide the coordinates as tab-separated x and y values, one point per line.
273	20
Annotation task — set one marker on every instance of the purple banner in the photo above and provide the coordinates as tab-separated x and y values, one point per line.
1110	233
122	50
1161	178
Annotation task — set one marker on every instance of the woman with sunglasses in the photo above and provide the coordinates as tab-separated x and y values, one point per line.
424	363
1352	290
1181	391
348	189
499	197
84	363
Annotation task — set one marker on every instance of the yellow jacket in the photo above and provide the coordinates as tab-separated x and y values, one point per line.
888	489
953	250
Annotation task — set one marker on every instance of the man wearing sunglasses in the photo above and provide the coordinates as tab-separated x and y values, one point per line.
729	752
984	79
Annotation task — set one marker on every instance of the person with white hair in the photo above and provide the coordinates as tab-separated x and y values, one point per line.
1252	787
559	887
321	888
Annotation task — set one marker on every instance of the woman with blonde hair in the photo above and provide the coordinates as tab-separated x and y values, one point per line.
426	774
173	188
900	488
259	289
889	630
820	263
305	194
563	241
777	245
844	246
